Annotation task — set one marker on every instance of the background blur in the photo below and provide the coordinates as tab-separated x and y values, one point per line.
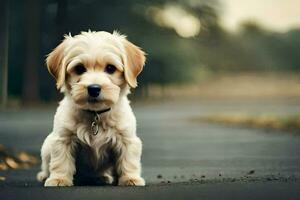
218	97
203	48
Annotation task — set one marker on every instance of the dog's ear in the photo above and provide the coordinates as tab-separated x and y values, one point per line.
134	62
55	64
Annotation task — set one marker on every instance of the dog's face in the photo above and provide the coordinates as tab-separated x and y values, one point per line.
96	68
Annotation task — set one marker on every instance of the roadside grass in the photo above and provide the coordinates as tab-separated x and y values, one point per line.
264	121
240	85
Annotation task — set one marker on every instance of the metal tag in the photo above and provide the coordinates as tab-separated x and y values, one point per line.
95	126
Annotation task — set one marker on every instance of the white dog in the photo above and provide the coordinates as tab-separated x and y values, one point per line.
95	71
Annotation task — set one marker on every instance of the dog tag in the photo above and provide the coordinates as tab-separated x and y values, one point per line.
95	126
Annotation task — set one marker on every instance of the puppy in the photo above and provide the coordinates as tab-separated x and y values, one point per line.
94	71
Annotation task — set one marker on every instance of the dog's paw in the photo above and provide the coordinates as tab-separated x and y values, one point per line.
131	181
108	179
41	176
58	182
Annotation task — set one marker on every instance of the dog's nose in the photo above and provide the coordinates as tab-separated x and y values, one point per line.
94	90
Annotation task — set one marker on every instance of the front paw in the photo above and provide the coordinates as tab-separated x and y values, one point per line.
108	179
41	176
53	182
131	181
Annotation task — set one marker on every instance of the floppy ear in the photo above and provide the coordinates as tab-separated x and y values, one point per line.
55	65
133	63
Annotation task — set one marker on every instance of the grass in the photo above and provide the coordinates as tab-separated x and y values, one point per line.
265	121
243	85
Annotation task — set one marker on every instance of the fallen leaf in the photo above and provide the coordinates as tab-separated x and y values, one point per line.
3	166
12	163
25	157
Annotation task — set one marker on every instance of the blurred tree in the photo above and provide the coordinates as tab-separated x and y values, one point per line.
4	39
61	18
30	80
292	42
269	50
251	28
173	56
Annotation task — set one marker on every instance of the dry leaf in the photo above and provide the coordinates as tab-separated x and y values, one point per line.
3	166
25	157
11	160
12	163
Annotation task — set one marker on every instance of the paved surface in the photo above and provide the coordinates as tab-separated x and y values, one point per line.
236	190
180	157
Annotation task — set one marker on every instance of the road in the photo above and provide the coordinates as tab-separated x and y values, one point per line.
181	156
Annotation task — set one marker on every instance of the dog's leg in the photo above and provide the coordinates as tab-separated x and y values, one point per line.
45	155
129	163
62	162
107	175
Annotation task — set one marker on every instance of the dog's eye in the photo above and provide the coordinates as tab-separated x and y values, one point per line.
110	69
79	69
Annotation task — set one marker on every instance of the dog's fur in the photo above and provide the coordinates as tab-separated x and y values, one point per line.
72	122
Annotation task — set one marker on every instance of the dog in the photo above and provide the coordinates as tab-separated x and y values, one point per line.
95	71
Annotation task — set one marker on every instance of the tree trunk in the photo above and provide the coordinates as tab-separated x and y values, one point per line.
61	18
30	79
4	32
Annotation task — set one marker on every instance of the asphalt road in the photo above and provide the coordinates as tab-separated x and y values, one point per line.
180	158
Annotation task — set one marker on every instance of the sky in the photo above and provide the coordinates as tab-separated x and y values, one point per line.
279	15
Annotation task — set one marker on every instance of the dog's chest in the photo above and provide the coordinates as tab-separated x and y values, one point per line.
104	137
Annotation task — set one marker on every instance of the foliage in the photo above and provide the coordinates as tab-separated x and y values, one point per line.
172	58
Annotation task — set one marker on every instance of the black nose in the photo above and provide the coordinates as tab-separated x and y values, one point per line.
94	90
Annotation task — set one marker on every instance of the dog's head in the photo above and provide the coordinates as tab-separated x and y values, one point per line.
96	68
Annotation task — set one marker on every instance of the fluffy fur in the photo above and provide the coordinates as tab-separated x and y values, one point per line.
116	149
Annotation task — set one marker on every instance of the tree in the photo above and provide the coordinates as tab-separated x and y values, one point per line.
4	51
30	79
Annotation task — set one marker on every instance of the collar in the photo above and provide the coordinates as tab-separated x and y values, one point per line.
98	112
94	126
